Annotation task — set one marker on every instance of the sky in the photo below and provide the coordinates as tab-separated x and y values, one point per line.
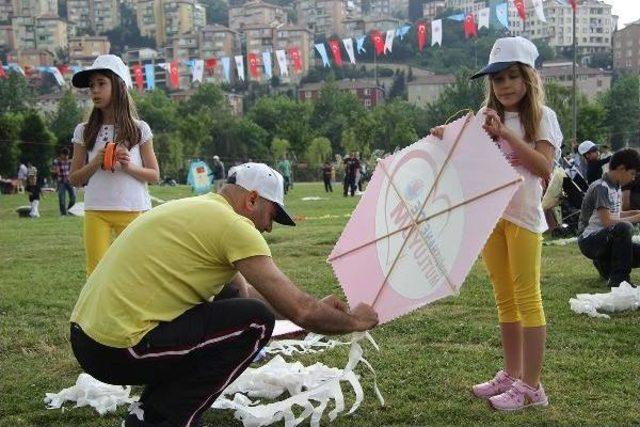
627	10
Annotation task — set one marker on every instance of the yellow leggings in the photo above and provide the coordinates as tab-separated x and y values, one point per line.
100	228
512	256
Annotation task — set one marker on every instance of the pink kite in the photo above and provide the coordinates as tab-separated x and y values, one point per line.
425	216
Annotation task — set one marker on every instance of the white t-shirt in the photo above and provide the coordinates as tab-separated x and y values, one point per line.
525	208
115	191
22	171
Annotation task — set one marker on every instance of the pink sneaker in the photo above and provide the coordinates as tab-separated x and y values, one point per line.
499	384
519	396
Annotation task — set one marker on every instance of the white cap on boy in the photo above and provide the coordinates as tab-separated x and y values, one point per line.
585	147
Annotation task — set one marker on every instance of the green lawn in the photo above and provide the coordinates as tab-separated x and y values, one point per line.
427	363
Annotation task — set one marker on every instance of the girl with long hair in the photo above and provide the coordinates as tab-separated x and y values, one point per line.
116	195
529	135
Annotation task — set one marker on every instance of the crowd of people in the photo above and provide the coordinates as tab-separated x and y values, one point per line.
182	306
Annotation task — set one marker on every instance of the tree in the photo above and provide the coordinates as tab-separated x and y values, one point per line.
208	97
37	142
127	34
591	122
279	147
66	117
398	88
158	110
10	124
169	149
251	141
217	12
15	94
623	109
318	151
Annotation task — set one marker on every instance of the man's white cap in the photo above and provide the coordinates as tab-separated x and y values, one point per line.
112	63
265	181
586	146
508	51
216	158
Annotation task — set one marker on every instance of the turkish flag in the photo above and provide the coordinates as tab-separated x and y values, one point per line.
64	69
422	35
520	7
210	65
173	74
253	64
378	43
334	45
294	53
470	28
137	75
2	73
574	4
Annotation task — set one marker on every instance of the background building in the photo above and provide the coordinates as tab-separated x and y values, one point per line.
626	48
256	12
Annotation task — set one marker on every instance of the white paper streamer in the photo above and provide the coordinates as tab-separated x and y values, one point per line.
90	392
624	297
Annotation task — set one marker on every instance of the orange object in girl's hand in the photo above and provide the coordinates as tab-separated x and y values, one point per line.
109	160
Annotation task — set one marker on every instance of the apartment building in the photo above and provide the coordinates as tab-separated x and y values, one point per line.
218	41
85	49
426	90
395	8
590	81
322	17
33	8
47	32
256	12
432	9
626	48
31	58
144	56
7	37
96	16
367	91
166	19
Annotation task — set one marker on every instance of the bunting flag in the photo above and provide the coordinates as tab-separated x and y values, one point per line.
388	41
376	41
483	17
137	76
334	45
574	5
294	53
76	69
537	4
323	54
2	73
520	8
348	46
174	78
15	67
436	32
360	44
457	17
470	29
501	14
149	72
402	31
210	65
226	68
197	73
281	56
55	72
421	33
64	69
240	66
252	60
266	63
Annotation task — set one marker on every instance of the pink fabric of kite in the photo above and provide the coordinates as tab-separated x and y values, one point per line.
427	212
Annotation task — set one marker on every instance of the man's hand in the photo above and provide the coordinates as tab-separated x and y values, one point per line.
336	303
437	131
365	317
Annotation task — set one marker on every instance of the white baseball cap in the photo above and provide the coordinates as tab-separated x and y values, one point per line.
112	63
586	146
265	181
508	51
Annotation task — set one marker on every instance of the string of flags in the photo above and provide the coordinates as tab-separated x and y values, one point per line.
261	64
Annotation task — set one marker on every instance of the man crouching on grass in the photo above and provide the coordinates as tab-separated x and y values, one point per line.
159	310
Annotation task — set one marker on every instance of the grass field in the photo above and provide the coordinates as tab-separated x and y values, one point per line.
427	363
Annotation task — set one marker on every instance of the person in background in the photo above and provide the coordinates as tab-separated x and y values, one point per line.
351	169
60	170
606	230
284	167
113	198
34	189
327	171
218	173
578	160
22	177
589	151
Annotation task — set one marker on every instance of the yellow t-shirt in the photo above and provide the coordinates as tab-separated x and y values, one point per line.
168	260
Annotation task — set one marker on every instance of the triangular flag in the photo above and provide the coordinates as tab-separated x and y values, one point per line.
252	60
240	66
457	17
198	70
388	41
421	34
2	73
470	29
334	45
436	32
537	4
76	69
501	14
294	54
377	42
483	17
15	67
348	46
402	31
137	76
266	63
149	73
281	56
360	44
210	65
63	68
574	4
323	54
520	8
226	68
173	74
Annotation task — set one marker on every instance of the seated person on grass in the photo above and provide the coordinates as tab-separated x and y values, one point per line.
605	230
